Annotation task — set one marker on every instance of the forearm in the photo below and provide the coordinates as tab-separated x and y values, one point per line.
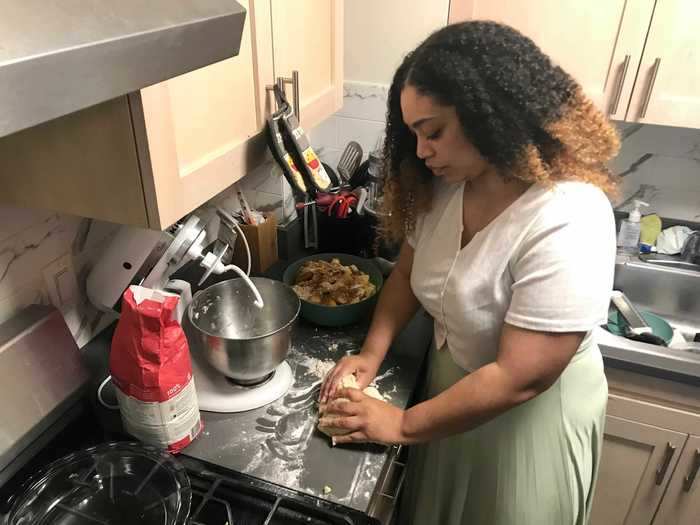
396	306
475	399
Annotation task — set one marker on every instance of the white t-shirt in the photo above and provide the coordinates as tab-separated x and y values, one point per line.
545	263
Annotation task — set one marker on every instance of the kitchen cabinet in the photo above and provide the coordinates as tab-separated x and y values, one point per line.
149	158
636	464
681	504
633	58
193	132
307	37
667	90
651	435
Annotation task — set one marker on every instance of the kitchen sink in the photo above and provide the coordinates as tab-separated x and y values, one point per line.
671	291
670	262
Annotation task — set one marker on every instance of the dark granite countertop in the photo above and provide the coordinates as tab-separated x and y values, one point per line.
279	442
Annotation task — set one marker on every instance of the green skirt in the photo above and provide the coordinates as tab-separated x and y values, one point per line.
535	464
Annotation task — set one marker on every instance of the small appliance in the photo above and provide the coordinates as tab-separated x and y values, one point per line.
150	258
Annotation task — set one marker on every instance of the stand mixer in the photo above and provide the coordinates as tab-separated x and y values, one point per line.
149	258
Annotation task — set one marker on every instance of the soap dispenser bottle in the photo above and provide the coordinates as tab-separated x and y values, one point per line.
630	228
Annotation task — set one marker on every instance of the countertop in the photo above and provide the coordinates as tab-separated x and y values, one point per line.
279	442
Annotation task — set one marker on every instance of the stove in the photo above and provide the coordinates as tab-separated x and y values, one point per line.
220	496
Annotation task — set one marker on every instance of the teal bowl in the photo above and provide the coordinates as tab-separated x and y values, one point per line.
342	315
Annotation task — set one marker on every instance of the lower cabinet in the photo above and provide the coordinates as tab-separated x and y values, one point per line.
636	464
651	453
681	503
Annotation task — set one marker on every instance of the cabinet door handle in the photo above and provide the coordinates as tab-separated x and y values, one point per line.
652	80
668	456
294	81
688	481
618	88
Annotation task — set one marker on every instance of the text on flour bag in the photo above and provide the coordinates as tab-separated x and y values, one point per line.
152	372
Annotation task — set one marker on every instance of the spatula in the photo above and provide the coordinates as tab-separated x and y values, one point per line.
349	161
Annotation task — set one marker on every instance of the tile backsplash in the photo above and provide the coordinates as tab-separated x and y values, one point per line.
362	119
662	166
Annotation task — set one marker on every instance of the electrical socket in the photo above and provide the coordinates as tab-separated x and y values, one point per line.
60	280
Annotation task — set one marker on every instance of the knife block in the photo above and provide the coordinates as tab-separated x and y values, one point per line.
262	240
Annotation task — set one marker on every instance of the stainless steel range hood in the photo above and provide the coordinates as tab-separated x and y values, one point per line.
59	56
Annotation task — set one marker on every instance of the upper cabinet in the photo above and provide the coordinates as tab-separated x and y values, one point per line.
634	58
307	37
667	90
193	131
152	157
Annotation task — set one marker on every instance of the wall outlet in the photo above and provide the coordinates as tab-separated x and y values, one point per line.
60	280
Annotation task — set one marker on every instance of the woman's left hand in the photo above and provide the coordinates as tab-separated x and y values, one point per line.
364	418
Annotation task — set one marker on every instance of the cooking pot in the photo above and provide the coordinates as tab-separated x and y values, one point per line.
238	339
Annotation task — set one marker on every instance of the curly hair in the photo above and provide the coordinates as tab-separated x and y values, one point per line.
525	115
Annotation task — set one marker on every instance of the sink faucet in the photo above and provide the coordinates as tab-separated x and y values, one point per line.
691	248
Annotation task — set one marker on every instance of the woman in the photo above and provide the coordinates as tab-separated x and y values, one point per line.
497	178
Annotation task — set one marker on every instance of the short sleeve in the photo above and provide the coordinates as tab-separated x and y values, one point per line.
563	271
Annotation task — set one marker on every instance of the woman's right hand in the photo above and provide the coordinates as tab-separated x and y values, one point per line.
363	366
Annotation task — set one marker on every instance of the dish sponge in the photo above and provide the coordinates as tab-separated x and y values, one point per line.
650	228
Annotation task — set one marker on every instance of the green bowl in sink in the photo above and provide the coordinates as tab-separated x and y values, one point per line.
659	326
340	315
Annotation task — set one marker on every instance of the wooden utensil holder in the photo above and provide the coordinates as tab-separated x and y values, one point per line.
262	240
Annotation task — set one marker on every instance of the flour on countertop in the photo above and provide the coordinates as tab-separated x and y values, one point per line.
274	443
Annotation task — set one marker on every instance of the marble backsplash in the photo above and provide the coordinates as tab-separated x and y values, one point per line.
31	241
660	165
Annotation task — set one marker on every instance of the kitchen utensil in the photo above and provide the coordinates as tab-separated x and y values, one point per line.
248	216
375	184
349	161
341	315
634	320
661	334
635	326
239	340
342	205
284	159
298	145
310	226
110	483
361	194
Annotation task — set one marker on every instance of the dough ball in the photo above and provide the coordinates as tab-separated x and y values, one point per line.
348	381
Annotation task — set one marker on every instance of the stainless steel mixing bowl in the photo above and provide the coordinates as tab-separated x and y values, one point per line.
238	339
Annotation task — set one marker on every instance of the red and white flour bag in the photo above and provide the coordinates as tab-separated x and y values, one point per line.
152	372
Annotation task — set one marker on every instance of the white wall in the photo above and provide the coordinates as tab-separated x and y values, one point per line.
379	33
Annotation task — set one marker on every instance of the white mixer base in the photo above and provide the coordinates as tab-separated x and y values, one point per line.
215	393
